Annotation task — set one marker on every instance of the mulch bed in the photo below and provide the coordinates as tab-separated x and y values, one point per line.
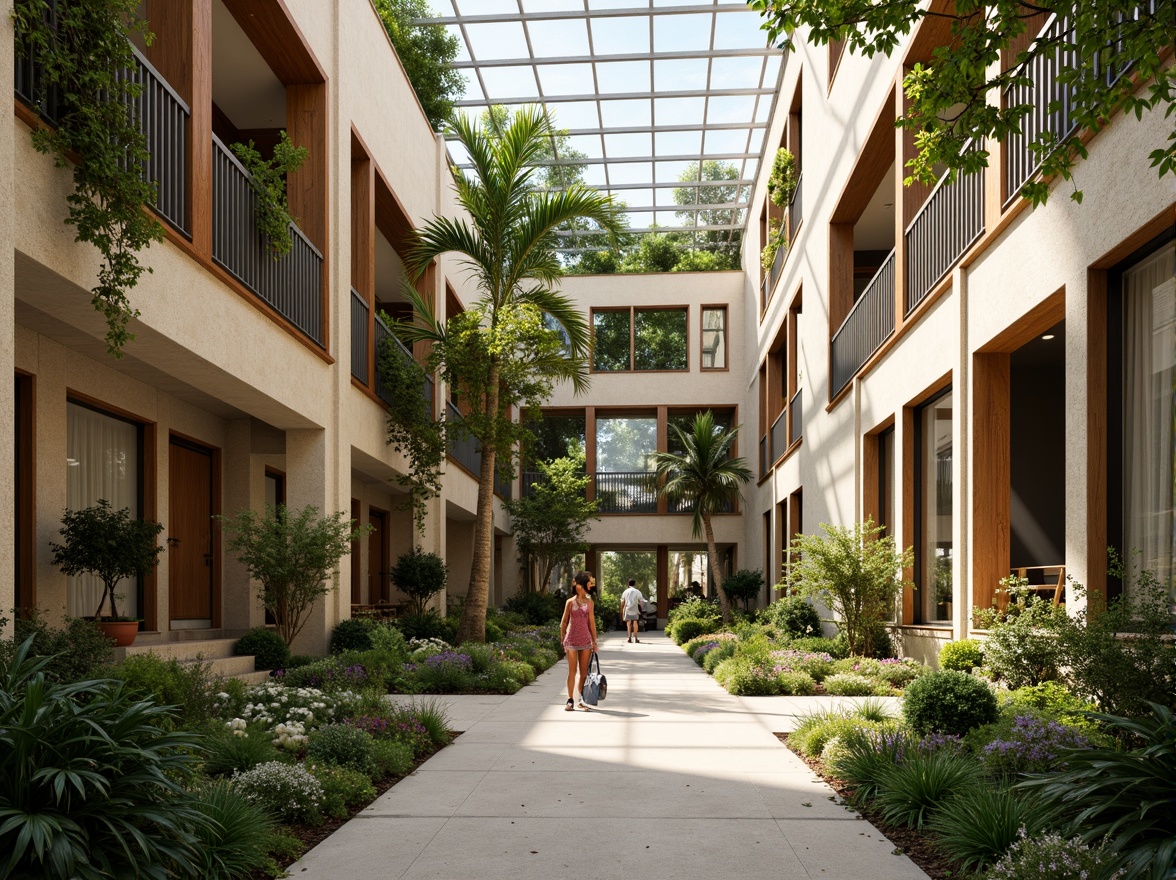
915	844
312	835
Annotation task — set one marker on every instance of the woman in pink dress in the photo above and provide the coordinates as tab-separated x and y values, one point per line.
577	633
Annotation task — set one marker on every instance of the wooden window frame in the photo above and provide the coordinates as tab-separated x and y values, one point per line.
633	310
702	309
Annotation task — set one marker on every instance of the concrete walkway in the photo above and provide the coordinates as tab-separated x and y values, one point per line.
671	778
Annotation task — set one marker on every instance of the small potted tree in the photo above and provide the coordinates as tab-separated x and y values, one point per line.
112	545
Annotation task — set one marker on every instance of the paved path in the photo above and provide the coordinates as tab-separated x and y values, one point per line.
671	778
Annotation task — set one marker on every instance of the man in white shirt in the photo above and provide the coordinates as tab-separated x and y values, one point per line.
632	604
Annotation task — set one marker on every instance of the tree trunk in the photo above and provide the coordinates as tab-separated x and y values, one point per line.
713	559
472	627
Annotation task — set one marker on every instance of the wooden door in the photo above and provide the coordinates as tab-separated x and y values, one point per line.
189	538
378	556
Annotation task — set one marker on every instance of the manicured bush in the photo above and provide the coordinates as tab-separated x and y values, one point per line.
392	758
792	616
269	649
535	608
237	839
850	684
977	826
389	641
228	749
716	655
909	791
186	686
522	672
90	785
343	746
288	792
750	680
695	607
420	575
354	634
1022	649
343	787
962	656
795	683
744	586
948	702
691	627
1049	856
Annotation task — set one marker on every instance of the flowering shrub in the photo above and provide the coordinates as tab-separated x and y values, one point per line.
343	746
419	649
1033	746
435	661
290	736
850	684
794	683
342	788
296	710
900	673
286	791
1051	857
331	674
817	665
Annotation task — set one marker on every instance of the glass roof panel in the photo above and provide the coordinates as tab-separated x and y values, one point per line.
657	78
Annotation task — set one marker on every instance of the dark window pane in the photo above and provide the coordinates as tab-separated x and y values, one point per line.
611	350
660	339
555	436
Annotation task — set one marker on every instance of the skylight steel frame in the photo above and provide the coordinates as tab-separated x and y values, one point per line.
761	90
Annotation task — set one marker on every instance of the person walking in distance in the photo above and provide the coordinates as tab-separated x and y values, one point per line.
632	604
577	634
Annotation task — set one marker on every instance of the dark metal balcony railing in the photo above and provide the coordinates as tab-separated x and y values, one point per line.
382	388
949	222
765	454
865	328
292	284
626	492
463	447
796	407
795	210
359	337
162	116
779	435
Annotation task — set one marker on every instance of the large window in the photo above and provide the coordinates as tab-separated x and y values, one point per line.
714	337
1149	408
624	479
935	550
639	340
103	458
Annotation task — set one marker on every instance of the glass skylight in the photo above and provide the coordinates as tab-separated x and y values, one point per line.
648	89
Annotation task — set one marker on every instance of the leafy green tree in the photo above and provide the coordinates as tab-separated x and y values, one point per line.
949	97
550	523
706	475
290	555
421	575
855	572
724	243
744	586
502	354
426	51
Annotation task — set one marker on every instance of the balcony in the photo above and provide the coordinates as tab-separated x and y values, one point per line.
359	337
777	269
162	116
292	283
779	436
626	492
796	423
385	337
865	328
949	222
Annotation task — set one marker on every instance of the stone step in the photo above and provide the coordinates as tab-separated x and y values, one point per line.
191	649
252	678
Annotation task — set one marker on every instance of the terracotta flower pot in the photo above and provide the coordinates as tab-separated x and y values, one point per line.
122	631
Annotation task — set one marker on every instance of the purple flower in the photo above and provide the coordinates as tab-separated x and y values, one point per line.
439	660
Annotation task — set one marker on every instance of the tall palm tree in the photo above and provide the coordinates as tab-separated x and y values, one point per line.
706	475
507	244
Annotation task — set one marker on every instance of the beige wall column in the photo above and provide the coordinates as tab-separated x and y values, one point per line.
7	346
241	491
307	482
48	363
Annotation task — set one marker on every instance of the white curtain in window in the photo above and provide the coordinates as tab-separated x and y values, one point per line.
1149	410
102	462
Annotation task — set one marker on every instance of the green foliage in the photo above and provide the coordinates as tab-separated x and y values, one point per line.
389	641
427	625
84	49
796	683
855	572
879	637
227	751
908	792
718	188
818	645
1050	700
685	629
963	655
109	544
535	608
1122	797
73	653
1021	648
793	616
267	179
290	555
353	634
421	575
608	610
816	728
392	758
851	684
784	178
977	826
237	836
434	717
864	754
706	476
269	650
507	351
288	792
746	674
343	787
694	607
90	785
188	687
744	586
718	654
426	51
551	520
948	702
1049	856
948	98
